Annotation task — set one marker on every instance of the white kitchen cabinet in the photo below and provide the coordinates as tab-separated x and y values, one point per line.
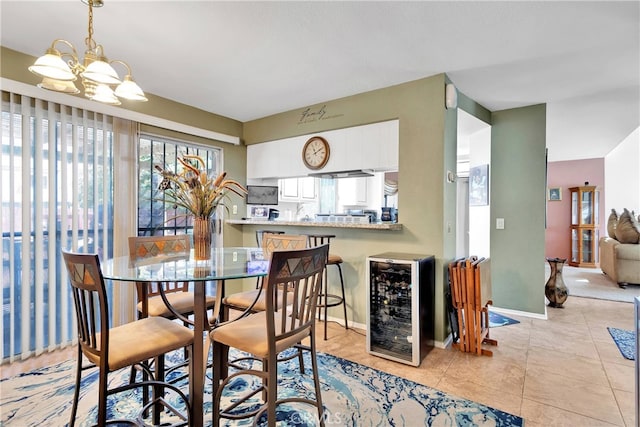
263	160
352	191
289	189
374	146
298	189
308	188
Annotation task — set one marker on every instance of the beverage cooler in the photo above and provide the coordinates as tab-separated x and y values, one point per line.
400	306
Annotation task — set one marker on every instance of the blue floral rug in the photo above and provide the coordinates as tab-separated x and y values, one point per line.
353	395
626	342
496	320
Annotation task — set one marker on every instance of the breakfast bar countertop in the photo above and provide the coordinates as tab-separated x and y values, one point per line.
278	222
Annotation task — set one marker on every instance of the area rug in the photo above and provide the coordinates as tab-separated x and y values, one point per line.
593	283
353	395
496	320
625	340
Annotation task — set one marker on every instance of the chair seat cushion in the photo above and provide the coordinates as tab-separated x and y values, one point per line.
182	302
245	299
334	259
142	340
250	334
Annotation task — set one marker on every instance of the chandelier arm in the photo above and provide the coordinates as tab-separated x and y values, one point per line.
120	61
73	53
73	63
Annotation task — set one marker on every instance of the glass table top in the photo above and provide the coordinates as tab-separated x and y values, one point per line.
225	263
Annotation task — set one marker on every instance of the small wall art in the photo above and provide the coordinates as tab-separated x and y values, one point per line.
259	212
554	193
479	185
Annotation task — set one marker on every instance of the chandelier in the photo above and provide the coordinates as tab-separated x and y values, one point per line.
97	75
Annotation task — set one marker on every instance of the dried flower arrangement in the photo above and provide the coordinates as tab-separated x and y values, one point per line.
194	190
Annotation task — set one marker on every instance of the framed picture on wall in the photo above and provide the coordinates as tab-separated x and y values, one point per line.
554	193
479	185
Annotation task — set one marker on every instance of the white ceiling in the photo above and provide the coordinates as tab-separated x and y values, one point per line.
247	60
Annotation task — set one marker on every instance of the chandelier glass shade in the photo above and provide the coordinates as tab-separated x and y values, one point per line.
97	75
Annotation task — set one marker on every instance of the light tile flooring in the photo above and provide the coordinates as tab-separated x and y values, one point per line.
565	371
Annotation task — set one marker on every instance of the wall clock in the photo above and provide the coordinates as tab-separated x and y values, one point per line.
315	153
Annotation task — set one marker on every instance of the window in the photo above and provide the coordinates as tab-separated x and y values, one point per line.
156	216
56	193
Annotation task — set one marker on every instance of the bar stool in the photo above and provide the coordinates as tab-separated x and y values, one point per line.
325	299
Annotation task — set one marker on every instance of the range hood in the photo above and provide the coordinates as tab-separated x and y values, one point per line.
343	174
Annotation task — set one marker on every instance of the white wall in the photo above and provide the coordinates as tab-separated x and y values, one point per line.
480	216
462	218
622	176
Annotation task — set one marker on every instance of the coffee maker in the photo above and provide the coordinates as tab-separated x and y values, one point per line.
273	214
389	214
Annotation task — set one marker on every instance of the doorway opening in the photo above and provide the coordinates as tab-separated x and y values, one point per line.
473	220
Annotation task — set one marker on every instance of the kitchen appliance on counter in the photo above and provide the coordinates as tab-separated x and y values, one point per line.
343	218
389	215
373	215
273	214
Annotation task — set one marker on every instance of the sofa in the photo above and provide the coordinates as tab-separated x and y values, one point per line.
620	251
620	261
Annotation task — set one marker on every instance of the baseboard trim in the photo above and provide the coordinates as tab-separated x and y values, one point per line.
508	311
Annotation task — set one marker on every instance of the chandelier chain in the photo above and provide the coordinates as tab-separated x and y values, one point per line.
91	44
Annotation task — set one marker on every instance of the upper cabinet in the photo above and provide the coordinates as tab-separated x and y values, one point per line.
373	146
298	189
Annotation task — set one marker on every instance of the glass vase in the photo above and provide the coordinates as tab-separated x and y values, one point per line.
202	229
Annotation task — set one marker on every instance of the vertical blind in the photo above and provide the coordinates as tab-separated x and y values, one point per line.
56	193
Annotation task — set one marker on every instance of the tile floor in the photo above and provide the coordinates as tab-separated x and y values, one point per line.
565	371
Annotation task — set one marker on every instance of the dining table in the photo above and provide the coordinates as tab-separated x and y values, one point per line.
225	263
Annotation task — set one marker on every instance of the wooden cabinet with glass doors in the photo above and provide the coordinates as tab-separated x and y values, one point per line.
584	226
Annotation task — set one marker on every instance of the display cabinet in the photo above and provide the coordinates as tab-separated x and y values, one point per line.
584	226
400	306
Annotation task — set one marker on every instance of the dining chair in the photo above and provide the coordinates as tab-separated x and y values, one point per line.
177	294
113	348
171	300
254	300
259	234
291	293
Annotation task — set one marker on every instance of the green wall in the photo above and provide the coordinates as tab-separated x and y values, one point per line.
419	106
517	194
427	203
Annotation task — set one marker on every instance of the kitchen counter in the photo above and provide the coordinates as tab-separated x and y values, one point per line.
278	222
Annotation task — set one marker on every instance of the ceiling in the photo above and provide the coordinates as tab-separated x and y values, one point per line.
247	60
